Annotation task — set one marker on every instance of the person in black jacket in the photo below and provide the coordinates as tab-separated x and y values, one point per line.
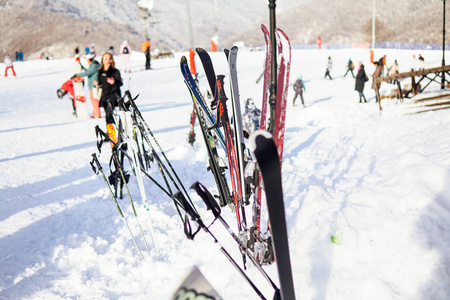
360	81
110	81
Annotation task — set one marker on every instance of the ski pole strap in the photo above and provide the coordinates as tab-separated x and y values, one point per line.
181	199
206	196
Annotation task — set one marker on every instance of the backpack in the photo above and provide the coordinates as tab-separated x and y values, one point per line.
125	50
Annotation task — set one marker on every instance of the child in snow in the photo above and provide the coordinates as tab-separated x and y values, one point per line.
125	50
299	87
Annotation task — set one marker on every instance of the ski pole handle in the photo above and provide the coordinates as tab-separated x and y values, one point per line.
186	205
206	196
220	88
95	160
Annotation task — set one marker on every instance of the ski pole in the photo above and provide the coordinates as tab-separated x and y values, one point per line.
96	171
145	131
102	136
196	217
212	205
119	167
128	129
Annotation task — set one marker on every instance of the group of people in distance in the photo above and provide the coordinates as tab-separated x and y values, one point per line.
360	79
104	81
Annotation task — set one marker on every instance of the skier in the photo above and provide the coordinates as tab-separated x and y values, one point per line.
360	81
299	87
9	65
125	50
350	67
329	68
110	81
91	74
146	49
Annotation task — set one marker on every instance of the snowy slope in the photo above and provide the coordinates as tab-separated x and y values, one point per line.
379	182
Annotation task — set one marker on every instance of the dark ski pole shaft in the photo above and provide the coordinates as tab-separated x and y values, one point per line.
196	217
212	205
273	78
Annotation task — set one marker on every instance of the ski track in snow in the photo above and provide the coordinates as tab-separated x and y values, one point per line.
377	182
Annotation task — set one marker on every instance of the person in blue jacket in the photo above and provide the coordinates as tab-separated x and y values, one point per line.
92	77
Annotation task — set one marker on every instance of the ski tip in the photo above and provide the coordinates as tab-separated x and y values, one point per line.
200	50
183	60
256	135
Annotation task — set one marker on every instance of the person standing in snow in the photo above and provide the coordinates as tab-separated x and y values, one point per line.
361	78
110	81
9	65
329	68
376	73
299	87
383	64
350	67
393	70
92	74
421	62
146	49
125	50
319	43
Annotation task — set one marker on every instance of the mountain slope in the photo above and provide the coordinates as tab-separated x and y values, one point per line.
56	27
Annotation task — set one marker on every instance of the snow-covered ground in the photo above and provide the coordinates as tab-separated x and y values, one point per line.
378	182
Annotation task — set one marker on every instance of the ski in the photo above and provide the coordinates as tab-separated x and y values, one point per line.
266	82
284	66
216	164
200	101
231	153
262	125
237	122
210	75
265	150
191	135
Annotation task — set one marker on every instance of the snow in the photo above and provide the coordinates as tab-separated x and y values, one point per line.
378	182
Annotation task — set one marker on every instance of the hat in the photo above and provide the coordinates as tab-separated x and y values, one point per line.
90	56
299	77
